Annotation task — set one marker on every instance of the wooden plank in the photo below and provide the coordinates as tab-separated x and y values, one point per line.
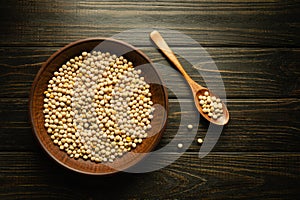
255	125
245	72
212	23
217	176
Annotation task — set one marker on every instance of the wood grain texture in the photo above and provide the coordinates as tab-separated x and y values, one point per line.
255	44
246	72
217	176
213	23
255	125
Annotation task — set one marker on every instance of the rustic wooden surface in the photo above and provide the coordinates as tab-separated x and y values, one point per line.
255	45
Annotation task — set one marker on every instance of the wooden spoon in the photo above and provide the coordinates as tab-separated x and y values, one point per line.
197	89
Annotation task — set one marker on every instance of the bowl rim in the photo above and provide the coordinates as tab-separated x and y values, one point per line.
57	53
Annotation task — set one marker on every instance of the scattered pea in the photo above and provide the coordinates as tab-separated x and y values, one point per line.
199	140
190	126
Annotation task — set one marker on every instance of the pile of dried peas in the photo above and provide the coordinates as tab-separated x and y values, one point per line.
97	107
211	105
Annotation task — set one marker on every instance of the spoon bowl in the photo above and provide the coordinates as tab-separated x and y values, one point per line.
197	89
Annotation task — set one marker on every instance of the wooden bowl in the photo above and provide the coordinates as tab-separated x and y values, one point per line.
138	58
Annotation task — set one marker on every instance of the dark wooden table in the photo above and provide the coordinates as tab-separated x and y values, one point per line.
255	45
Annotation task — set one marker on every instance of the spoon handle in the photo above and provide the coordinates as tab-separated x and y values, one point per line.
163	46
